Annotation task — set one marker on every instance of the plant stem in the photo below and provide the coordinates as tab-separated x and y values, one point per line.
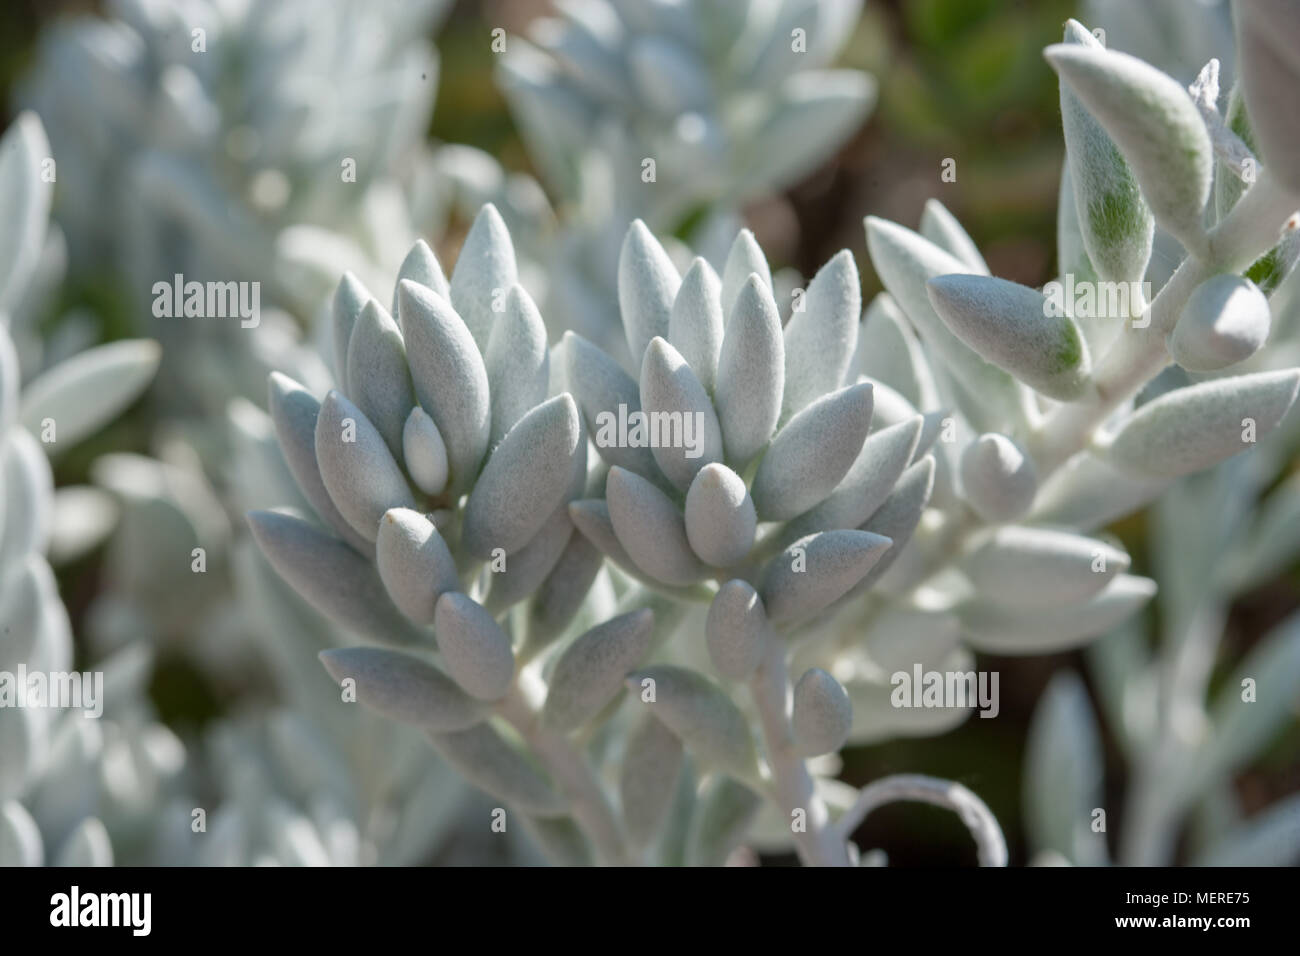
572	774
818	844
990	844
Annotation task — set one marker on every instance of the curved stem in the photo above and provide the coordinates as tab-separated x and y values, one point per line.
990	845
818	844
572	774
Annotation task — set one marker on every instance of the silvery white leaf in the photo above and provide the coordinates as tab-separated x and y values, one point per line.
1115	224
25	195
20	837
87	845
1154	124
697	711
815	111
751	372
528	567
898	517
819	341
822	714
1198	426
650	529
356	466
379	382
1271	838
942	228
736	630
1064	774
906	262
350	297
414	563
1225	321
518	363
901	636
592	519
81	394
525	479
695	325
450	378
889	353
720	517
29	591
332	578
995	629
601	387
1039	567
814	572
647	284
557	600
423	452
590	672
745	258
484	270
668	78
670	392
489	762
29	490
1011	326
404	688
651	767
1087	493
294	410
1267	35
726	811
475	650
881	462
812	453
998	478
1242	728
421	266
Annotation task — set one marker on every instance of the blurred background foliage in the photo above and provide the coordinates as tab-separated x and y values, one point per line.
958	79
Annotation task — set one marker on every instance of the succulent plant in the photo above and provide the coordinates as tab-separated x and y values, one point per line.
57	803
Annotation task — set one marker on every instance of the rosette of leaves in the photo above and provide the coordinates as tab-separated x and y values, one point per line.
1048	429
54	803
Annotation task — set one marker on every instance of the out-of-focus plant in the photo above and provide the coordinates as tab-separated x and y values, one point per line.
67	778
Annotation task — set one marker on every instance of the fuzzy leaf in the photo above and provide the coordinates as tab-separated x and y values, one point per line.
647	284
942	228
414	563
404	688
1201	425
650	529
898	517
671	392
695	325
726	812
356	466
819	341
737	631
720	517
591	671
1038	567
745	258
379	382
450	378
812	453
350	297
557	601
518	363
1225	321
600	387
529	566
1009	325
332	577
822	714
814	572
423	452
524	480
484	757
751	373
648	779
83	393
484	270
25	196
421	266
998	478
1155	125
698	712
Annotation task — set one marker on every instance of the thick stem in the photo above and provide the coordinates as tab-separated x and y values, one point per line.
817	843
1253	227
990	845
571	773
